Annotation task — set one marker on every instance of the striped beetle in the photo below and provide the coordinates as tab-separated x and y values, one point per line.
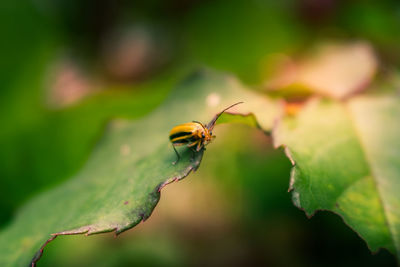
194	134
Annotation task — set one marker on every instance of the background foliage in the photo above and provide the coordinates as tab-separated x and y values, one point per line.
63	77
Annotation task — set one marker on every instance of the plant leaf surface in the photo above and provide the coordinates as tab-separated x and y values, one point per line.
346	159
120	184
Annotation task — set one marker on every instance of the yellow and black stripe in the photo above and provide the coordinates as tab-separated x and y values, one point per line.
185	133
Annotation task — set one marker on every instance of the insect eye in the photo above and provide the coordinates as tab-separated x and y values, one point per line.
202	135
210	133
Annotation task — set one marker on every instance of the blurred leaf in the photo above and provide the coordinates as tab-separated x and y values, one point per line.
346	159
26	46
52	145
334	70
119	186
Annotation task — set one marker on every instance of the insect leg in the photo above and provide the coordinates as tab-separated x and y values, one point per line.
177	155
193	144
199	145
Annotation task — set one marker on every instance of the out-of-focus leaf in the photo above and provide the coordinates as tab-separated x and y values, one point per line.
28	41
334	70
52	145
346	159
120	184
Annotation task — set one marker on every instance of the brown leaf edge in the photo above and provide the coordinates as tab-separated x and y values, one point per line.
292	189
140	213
154	197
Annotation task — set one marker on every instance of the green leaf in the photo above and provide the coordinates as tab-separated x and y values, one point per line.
346	159
120	184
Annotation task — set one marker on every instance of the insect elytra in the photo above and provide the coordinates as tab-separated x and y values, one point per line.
194	135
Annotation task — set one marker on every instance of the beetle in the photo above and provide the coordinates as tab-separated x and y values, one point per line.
194	135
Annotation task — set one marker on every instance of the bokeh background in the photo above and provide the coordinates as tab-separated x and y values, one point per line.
68	67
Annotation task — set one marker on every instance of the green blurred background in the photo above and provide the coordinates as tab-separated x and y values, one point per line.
68	67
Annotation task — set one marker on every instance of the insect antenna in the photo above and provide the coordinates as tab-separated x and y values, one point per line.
211	124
